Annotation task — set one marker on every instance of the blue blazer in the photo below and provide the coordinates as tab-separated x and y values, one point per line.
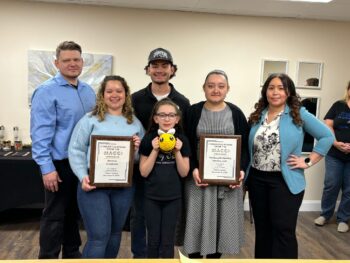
291	141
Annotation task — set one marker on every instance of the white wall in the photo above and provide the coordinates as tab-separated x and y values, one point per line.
198	42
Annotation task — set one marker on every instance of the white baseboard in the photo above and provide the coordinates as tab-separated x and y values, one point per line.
306	206
310	205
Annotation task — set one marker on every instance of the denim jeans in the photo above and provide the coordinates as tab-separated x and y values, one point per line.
337	178
137	217
104	212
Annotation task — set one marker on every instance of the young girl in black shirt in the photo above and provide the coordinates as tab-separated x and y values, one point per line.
163	171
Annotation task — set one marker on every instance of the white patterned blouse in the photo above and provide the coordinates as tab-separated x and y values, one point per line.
267	149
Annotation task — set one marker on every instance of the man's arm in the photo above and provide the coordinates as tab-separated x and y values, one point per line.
42	126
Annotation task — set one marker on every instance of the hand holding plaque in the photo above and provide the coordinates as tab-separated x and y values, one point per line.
220	159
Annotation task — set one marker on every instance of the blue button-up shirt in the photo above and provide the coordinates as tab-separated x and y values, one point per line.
56	107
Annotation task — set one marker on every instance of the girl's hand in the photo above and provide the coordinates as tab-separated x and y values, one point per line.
341	146
136	139
241	177
347	147
197	179
155	144
295	162
85	184
178	145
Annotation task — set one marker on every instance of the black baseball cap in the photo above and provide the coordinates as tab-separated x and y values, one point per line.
160	54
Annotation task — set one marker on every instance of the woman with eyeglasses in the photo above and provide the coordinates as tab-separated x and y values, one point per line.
214	214
164	161
275	176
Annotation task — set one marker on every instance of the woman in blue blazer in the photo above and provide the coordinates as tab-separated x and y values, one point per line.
275	178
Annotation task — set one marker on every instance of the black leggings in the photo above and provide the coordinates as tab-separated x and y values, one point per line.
161	218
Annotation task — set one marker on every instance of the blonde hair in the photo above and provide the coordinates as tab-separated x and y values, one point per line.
100	109
346	95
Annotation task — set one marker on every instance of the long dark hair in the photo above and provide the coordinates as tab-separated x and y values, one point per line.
166	101
100	109
293	100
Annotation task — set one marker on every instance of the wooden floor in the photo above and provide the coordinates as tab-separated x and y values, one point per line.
19	237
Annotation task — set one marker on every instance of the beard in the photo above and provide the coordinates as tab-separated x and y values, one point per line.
71	75
160	82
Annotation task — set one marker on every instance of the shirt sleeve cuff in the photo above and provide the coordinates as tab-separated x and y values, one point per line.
47	168
81	176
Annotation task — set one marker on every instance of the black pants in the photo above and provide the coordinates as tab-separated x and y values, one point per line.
198	255
275	211
161	218
137	217
59	225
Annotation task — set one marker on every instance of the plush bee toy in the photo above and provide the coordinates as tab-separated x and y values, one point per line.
167	140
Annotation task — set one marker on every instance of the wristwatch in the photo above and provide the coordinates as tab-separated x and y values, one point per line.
308	162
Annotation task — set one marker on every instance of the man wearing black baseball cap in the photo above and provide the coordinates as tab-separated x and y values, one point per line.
161	69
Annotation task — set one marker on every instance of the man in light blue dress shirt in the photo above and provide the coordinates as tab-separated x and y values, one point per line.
57	105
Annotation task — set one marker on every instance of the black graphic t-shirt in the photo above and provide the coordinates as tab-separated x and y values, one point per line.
340	114
164	182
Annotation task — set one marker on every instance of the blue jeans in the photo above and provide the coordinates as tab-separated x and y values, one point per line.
104	212
337	178
137	217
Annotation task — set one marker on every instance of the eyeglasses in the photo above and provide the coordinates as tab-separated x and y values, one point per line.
163	116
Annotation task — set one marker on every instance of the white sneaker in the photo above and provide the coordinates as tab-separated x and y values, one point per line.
320	221
343	227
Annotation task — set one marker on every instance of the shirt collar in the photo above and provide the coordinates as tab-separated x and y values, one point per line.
285	111
62	81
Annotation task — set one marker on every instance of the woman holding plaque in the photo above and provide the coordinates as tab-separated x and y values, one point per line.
214	214
104	210
275	176
164	160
